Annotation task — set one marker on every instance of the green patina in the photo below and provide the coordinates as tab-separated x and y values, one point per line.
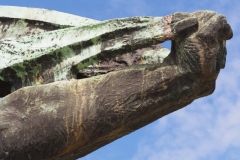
35	69
55	52
65	52
87	62
96	40
60	26
20	70
93	27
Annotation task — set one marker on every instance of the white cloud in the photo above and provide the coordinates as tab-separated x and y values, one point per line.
206	129
209	127
196	132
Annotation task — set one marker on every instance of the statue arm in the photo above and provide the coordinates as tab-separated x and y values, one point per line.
69	119
63	49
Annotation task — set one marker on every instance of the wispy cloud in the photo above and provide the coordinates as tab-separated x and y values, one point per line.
209	127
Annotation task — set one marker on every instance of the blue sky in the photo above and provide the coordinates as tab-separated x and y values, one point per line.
209	128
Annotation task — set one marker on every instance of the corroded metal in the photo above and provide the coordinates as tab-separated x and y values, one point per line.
68	119
39	57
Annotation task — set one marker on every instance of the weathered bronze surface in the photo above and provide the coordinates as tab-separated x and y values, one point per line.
49	112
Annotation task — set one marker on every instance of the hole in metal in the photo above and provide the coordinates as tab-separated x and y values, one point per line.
5	88
166	44
81	76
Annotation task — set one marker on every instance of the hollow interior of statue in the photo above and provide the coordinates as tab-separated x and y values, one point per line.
5	88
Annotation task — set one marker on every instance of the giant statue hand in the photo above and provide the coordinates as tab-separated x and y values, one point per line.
69	118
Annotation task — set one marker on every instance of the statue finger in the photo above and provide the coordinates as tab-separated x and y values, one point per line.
184	26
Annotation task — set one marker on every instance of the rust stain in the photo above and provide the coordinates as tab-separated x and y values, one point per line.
167	29
74	119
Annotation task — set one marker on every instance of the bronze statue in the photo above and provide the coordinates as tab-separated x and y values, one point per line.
73	85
